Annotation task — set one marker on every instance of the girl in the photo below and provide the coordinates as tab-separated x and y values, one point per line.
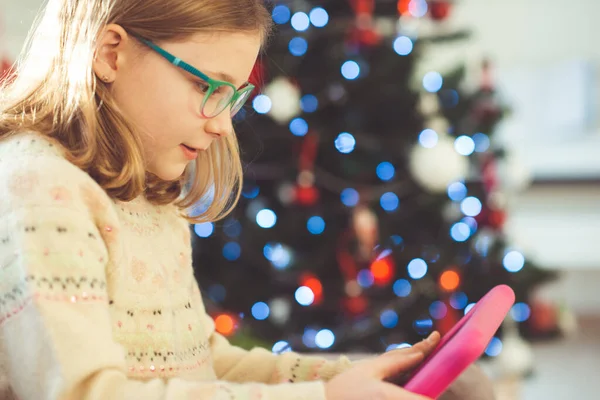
117	121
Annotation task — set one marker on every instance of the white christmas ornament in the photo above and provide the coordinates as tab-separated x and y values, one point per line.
435	168
280	310
513	173
285	99
516	358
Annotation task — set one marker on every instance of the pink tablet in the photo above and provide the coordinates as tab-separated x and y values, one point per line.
463	344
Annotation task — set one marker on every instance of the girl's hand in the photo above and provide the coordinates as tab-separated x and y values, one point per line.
366	379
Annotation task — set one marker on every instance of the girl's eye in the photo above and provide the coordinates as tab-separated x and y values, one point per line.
203	86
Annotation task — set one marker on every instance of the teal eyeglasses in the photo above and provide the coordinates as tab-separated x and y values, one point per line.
218	95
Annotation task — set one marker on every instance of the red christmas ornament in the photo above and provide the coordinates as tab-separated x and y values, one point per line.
315	285
363	33
355	305
439	10
307	196
496	219
258	76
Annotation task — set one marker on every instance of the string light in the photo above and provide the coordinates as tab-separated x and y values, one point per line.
433	81
458	300
428	138
266	218
281	347
469	307
225	324
460	232
520	312
350	70
345	143
417	268
260	311
315	225
457	191
309	338
389	201
232	251
298	46
423	326
464	145
513	261
279	255
403	45
365	278
319	17
350	197
304	296
398	346
388	318
381	270
325	339
299	127
449	280
262	104
281	14
309	103
418	8
438	310
204	229
471	206
300	21
482	142
250	191
402	288
385	171
494	348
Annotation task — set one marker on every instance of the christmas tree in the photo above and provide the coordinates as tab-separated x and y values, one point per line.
373	201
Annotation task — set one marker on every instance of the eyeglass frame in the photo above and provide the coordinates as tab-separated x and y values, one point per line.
213	84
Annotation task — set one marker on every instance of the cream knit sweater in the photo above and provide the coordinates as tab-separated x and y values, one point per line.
98	299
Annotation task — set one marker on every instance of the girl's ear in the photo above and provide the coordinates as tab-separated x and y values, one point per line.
111	52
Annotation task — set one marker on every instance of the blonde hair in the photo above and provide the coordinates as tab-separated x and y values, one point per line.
55	92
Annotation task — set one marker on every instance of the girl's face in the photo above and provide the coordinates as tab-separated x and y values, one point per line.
162	101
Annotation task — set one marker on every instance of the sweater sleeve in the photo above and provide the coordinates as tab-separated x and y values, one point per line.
56	340
235	364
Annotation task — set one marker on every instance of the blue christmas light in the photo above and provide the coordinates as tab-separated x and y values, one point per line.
438	310
403	45
350	197
325	339
464	145
233	228
345	143
266	218
494	348
281	347
365	278
299	127
250	191
304	296
417	268
217	292
350	70
281	14
319	17
389	319
262	104
449	98
520	312
457	191
232	251
458	300
469	307
300	21
260	311
471	222
385	171
204	230
389	201
396	240
428	138
309	103
402	288
279	255
513	261
315	225
460	232
482	142
298	46
309	338
423	326
418	8
471	206
433	82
